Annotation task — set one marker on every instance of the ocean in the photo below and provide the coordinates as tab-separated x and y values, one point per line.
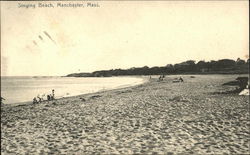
24	89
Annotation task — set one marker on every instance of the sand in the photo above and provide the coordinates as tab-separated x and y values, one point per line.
153	118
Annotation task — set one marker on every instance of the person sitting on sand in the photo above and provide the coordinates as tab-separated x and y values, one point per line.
48	97
181	79
39	98
51	97
161	78
34	100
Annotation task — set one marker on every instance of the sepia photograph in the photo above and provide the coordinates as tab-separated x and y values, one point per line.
125	77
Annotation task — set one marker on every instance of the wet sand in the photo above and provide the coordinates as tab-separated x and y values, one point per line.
152	118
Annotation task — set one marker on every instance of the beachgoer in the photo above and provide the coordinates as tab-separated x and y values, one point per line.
53	94
39	98
48	97
160	78
181	79
34	100
51	97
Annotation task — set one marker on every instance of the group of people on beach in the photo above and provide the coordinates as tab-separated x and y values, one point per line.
39	99
180	79
161	78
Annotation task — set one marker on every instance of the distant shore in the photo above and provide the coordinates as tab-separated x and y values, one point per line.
222	66
157	117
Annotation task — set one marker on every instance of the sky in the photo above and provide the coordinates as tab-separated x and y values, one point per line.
122	34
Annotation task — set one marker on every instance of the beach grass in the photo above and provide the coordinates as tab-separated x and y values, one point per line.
157	117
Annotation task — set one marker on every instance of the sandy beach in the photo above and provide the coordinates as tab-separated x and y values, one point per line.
192	117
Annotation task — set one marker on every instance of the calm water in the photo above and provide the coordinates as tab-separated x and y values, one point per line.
23	89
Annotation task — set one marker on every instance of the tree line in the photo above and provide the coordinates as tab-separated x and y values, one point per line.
223	66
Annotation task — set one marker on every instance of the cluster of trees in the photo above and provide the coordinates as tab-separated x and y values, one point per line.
223	66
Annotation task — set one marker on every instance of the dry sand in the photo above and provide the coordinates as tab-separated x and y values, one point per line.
155	117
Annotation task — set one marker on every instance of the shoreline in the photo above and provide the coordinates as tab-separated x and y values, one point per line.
144	80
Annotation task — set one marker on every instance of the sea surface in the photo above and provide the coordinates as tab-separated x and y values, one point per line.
24	89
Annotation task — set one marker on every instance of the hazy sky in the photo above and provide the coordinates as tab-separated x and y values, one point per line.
59	41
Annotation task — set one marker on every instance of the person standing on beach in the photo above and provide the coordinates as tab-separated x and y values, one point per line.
53	94
181	79
35	100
